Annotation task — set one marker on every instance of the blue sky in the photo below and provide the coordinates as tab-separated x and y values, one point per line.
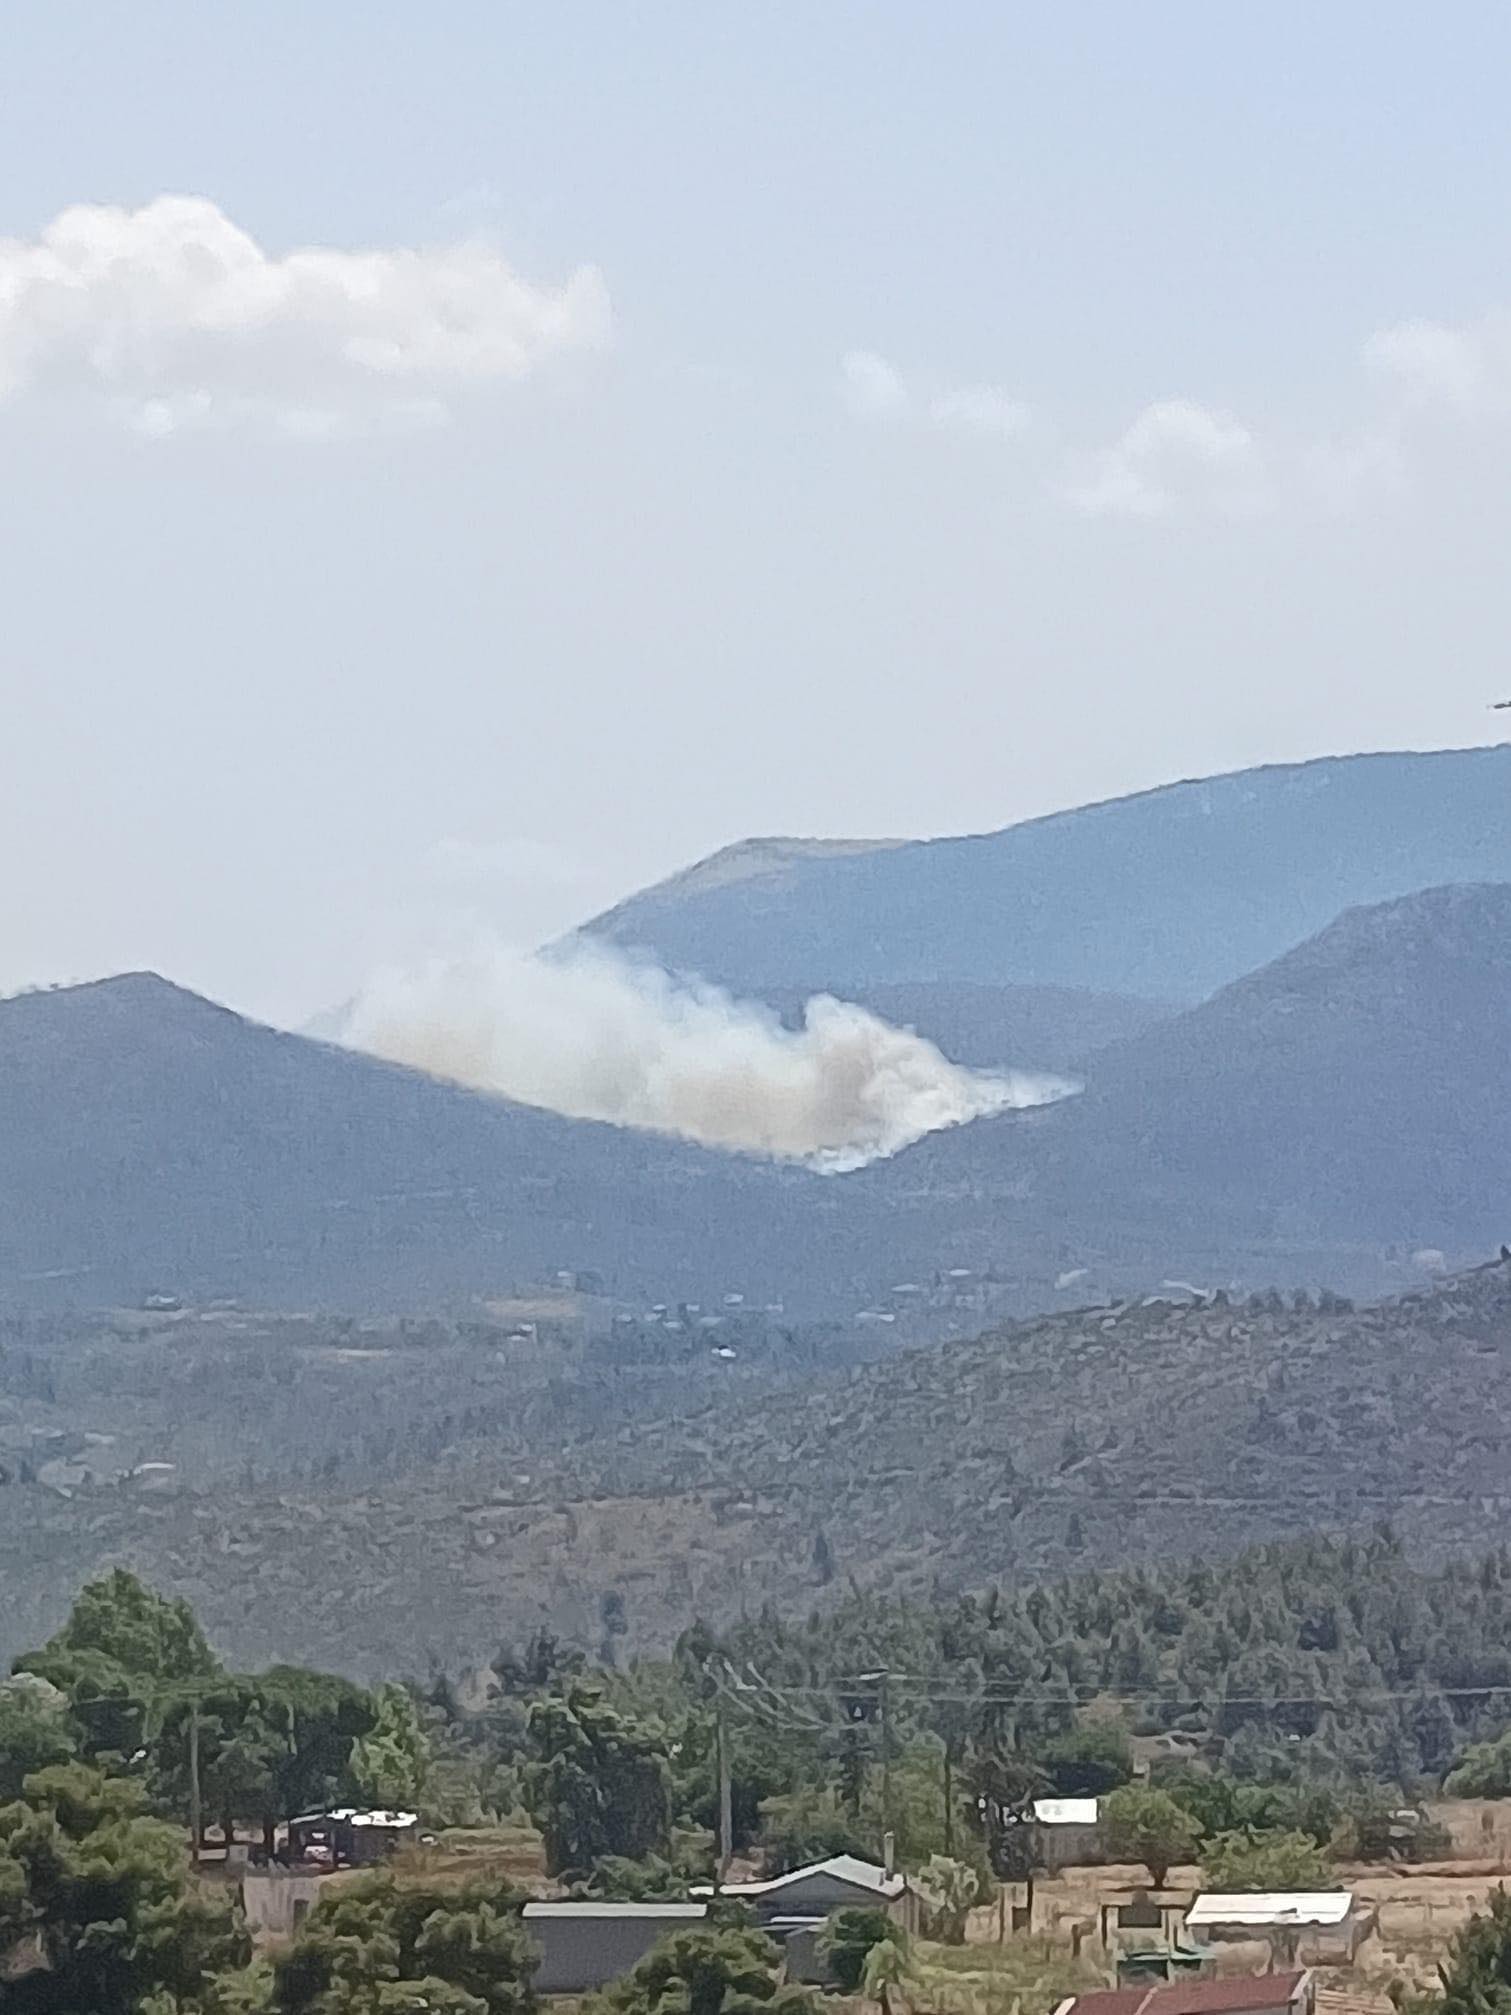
956	413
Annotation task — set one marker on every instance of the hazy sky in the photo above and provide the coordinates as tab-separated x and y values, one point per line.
541	443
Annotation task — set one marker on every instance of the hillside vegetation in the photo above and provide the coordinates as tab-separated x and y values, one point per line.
370	1499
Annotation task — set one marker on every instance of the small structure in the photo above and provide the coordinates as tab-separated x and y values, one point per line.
843	1882
583	1946
1315	1927
1070	1833
349	1838
277	1900
1262	1994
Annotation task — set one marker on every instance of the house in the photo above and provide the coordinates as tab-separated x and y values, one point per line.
1298	1925
1261	1994
843	1882
583	1946
347	1837
1070	1834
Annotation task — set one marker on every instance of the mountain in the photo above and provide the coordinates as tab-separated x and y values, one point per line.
1317	1121
1352	1093
1169	894
153	1141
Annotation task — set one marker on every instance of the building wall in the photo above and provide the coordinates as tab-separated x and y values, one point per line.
580	1954
821	1895
276	1900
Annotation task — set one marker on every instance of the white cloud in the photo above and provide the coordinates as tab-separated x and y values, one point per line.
874	389
1177	454
1430	361
981	409
871	385
173	317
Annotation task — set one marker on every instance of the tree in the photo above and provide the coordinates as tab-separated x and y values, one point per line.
849	1938
1141	1824
389	1763
1251	1860
1088	1760
707	1972
379	1947
888	1970
1482	1771
99	1899
120	1657
952	1890
599	1784
35	1733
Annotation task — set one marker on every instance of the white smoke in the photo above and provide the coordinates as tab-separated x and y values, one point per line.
588	1033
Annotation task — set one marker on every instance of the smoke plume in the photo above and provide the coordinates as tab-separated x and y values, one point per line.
591	1034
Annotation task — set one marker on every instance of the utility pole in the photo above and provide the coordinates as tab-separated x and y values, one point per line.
886	1758
726	1796
195	1827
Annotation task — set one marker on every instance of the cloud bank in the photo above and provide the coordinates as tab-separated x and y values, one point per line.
588	1033
172	316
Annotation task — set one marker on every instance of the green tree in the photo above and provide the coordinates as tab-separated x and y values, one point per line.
952	1890
1146	1825
1250	1860
98	1912
1483	1770
378	1945
706	1972
389	1763
850	1936
1088	1760
599	1784
35	1733
122	1655
888	1970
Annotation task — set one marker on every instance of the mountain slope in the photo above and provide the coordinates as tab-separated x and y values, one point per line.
1169	894
1355	1090
994	1027
1095	1437
152	1141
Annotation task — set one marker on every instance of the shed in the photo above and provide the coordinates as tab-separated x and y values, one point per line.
1070	1833
583	1946
1315	1924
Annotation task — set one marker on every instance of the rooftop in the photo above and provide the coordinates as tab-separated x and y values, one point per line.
1276	1906
1190	1997
839	1868
1065	1811
689	1913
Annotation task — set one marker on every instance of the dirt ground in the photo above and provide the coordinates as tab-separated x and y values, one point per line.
1417	1910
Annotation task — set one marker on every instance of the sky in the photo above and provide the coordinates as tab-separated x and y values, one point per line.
462	463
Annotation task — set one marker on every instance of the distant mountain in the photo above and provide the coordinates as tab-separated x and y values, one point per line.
1355	1091
1169	894
153	1141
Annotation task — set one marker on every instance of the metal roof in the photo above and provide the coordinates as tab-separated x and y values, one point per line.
839	1867
1277	1906
685	1912
1191	1997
